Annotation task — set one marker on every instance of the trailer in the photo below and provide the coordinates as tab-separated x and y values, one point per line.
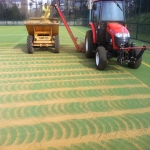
42	33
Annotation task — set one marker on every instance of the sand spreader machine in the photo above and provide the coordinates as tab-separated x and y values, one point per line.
107	37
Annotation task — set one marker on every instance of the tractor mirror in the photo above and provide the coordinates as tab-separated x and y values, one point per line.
94	7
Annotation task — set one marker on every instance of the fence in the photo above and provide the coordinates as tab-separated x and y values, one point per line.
71	22
5	22
139	31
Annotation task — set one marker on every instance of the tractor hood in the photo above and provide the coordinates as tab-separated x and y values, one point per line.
118	33
115	28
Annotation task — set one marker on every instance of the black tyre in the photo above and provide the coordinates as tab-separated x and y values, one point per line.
138	55
29	44
89	46
100	58
56	44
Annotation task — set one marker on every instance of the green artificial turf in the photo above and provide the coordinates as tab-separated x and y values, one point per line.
60	101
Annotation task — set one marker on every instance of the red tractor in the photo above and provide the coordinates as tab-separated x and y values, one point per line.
109	36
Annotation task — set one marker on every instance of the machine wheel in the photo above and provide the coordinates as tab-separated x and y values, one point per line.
100	58
56	43
137	62
29	44
89	46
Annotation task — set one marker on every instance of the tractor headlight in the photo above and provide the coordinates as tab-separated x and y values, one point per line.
122	35
118	34
126	35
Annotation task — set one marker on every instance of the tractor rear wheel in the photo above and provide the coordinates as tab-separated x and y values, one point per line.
29	44
89	46
138	61
100	58
56	44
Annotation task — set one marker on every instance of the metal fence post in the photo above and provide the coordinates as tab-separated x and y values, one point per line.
138	20
89	7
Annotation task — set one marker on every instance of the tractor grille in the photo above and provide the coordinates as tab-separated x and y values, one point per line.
121	41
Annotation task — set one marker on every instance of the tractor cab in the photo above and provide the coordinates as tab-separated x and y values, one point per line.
108	11
108	17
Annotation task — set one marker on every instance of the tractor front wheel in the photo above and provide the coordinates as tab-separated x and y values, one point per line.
29	44
100	58
138	61
56	43
89	46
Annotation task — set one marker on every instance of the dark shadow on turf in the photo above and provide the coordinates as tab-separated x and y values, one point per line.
23	48
88	62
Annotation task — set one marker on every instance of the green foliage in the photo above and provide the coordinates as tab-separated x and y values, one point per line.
144	18
10	13
140	11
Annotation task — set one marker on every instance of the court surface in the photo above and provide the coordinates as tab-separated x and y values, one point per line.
60	101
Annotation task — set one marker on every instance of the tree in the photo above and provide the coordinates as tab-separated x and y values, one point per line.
1	12
15	12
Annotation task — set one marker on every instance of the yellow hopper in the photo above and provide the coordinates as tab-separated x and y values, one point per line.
42	33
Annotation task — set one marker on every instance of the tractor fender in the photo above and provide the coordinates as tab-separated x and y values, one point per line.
93	31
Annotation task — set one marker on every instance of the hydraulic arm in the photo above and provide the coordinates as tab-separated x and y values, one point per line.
78	47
